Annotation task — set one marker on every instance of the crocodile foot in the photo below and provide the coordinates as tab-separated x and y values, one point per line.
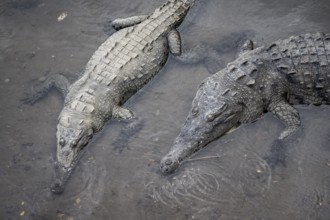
131	129
277	155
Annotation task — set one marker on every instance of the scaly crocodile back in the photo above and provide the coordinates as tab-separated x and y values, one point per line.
127	45
298	56
125	62
300	63
304	61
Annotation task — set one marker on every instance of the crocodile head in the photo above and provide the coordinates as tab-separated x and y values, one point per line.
183	6
72	137
214	112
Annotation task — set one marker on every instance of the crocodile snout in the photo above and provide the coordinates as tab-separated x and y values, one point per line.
57	187
168	165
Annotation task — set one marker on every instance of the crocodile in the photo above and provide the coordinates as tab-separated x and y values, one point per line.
271	79
121	66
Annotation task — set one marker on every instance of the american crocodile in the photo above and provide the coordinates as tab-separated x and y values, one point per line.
122	65
265	79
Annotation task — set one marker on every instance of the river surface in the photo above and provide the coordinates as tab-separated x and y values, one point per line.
118	177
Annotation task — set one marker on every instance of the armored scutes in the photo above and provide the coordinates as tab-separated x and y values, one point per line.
122	65
273	78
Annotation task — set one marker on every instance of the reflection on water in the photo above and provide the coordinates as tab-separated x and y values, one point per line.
227	180
211	183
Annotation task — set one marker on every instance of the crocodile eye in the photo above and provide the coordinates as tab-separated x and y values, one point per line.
73	143
210	117
62	142
194	111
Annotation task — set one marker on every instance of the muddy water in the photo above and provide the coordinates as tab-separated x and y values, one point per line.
227	180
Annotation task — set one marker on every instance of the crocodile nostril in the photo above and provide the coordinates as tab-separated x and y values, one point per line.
168	162
56	187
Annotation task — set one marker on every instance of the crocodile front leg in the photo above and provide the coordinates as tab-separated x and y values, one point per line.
287	114
119	112
131	129
133	126
277	154
290	117
121	23
57	81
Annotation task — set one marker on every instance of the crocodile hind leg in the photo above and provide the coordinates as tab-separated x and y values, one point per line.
247	45
121	23
57	81
210	56
120	112
202	53
290	117
174	42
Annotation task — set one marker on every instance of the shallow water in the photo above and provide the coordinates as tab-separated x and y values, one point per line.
227	180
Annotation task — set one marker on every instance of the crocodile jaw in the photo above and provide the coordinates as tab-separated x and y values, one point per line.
64	166
62	177
186	145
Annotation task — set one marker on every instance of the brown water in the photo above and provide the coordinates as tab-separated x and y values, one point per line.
227	180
